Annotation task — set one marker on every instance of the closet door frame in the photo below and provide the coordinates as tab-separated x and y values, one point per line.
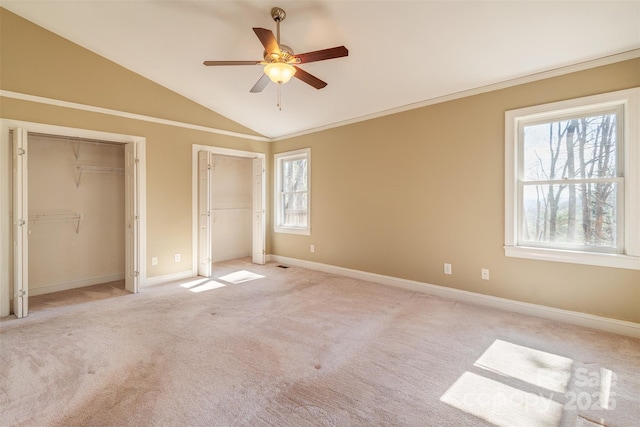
258	227
204	213
134	201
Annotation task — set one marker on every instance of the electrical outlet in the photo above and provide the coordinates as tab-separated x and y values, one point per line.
447	269
154	260
312	248
177	258
485	274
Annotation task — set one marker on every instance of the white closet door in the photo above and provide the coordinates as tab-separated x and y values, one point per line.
258	252
132	220
20	225
204	213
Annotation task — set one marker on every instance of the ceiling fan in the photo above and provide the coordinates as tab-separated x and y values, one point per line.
280	62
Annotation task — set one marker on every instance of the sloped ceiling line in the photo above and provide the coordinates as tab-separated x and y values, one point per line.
123	114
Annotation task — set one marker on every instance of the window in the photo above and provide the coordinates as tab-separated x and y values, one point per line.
292	196
573	181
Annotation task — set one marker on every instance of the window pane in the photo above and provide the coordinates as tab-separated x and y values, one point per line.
294	209
294	175
581	215
583	148
293	197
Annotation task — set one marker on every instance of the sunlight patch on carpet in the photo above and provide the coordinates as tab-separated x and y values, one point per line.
605	387
192	283
201	285
535	367
212	284
241	276
501	404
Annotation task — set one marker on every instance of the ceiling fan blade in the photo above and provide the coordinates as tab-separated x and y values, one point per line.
268	40
321	55
260	84
309	78
231	62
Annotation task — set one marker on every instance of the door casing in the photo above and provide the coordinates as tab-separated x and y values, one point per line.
258	228
135	202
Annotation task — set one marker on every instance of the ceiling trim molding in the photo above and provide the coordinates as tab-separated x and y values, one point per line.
126	115
606	60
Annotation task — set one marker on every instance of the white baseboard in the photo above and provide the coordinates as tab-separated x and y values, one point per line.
615	326
159	280
47	289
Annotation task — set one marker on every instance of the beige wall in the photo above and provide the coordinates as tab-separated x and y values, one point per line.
403	194
37	62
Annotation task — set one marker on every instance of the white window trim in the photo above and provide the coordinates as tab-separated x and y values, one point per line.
630	259
276	196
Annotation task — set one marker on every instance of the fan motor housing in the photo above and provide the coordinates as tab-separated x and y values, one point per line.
286	55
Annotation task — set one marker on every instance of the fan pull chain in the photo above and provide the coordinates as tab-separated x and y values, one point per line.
279	101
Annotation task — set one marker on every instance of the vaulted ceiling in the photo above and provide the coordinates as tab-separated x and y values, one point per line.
401	53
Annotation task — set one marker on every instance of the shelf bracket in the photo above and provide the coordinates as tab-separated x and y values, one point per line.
78	175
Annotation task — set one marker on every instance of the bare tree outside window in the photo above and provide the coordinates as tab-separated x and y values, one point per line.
294	192
570	183
572	180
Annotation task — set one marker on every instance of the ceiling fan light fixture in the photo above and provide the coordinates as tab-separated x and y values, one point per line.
279	72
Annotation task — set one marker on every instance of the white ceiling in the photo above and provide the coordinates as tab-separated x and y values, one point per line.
400	52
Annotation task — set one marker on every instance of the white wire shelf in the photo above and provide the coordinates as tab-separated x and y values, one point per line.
81	169
40	217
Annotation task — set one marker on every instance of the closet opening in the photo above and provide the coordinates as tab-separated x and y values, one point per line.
228	189
76	221
72	217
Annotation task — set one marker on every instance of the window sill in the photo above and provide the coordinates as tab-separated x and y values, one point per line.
574	257
293	230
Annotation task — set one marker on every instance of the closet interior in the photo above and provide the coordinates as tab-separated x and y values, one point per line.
76	200
231	198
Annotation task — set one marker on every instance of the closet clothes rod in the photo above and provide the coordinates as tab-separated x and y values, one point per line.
57	217
75	145
96	169
76	141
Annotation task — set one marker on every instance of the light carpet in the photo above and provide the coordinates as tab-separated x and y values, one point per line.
267	346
